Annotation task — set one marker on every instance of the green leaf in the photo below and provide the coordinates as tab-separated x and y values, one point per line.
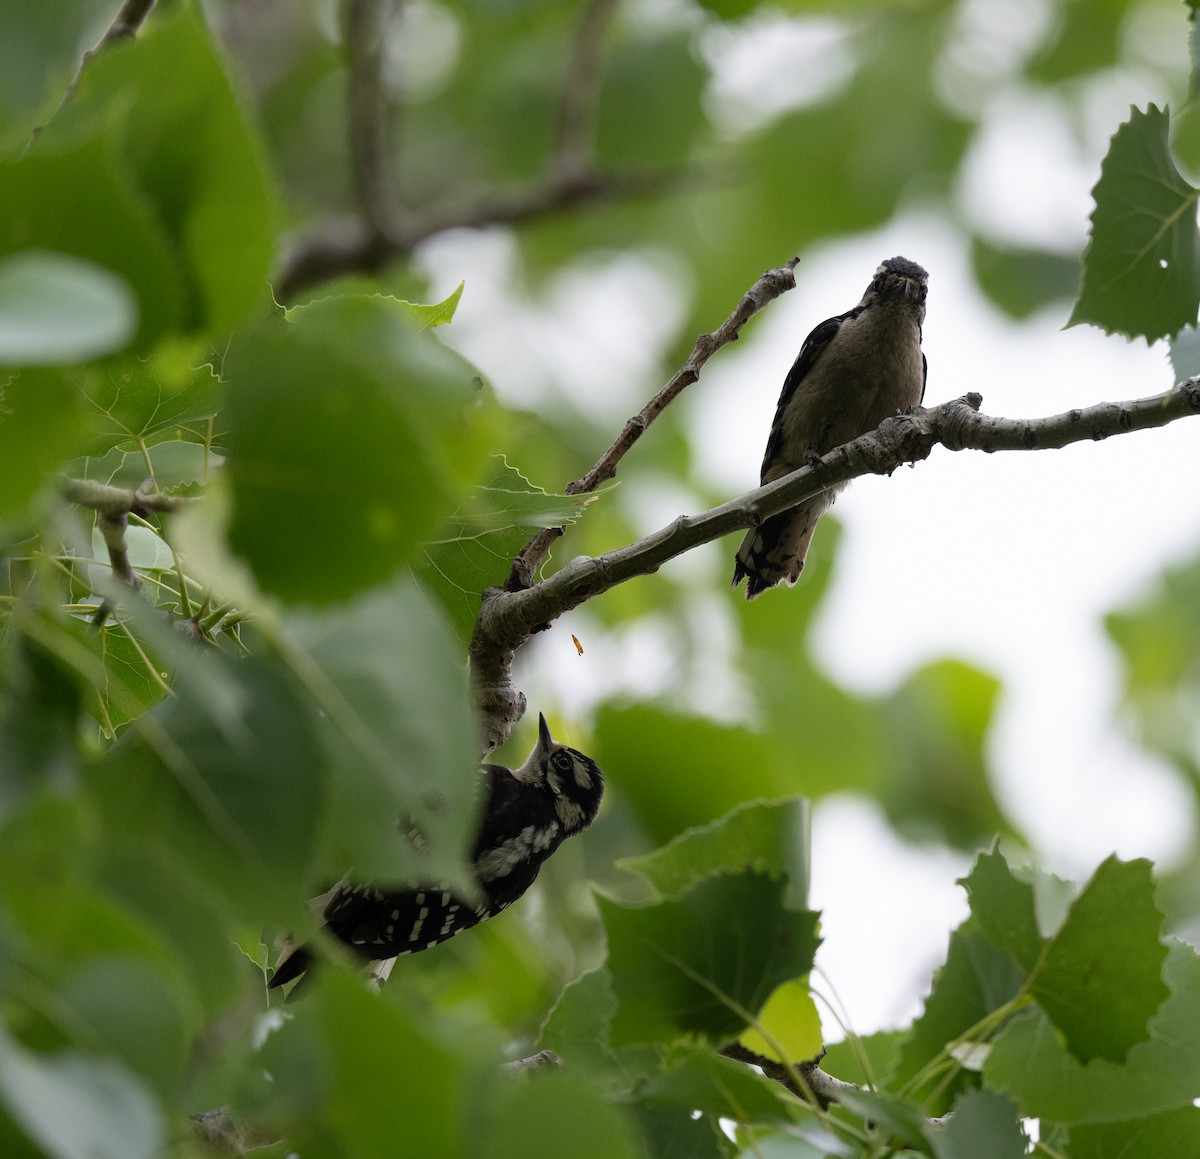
474	549
829	149
38	52
141	398
1086	39
41	425
984	1125
975	981
1021	280
130	679
177	906
730	9
76	1107
898	1117
696	1079
437	314
1171	1133
1141	270
1185	353
1185	131
704	963
1102	1001
81	200
1004	908
398	732
139	1015
227	775
788	1027
347	428
335	1068
678	767
1159	640
40	701
1030	1061
656	83
577	1028
937	771
56	309
672	1133
171	115
771	838
555	1114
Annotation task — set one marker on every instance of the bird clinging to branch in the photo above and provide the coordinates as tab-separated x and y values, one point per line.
527	814
853	371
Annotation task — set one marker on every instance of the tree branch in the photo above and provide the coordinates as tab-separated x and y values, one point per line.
127	21
125	25
362	33
114	505
814	1087
507	619
384	231
342	245
764	291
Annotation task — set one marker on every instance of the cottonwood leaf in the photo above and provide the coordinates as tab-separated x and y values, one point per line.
705	963
1141	269
1100	978
975	981
768	837
349	432
1031	1062
984	1125
1004	908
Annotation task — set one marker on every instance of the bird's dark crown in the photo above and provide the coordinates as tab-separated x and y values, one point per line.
903	268
899	278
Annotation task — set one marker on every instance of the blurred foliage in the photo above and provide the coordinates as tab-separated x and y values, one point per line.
181	767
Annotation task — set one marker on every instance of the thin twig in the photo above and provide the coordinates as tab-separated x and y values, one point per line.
507	619
114	505
543	1060
125	25
764	291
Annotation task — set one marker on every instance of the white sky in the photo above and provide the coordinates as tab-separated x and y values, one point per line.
1008	561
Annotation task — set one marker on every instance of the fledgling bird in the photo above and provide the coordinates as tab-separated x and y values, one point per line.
853	371
527	814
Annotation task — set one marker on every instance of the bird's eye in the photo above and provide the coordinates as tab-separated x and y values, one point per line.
562	761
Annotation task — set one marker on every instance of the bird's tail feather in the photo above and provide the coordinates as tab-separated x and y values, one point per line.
774	551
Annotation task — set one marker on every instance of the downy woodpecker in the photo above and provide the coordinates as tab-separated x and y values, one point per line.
853	371
527	814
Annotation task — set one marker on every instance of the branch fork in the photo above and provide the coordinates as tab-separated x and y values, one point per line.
509	616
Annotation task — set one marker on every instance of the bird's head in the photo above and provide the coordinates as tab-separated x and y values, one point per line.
574	781
900	280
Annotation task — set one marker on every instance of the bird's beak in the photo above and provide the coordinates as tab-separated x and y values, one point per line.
545	740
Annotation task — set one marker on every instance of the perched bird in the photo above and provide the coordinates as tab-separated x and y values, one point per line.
853	371
527	814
